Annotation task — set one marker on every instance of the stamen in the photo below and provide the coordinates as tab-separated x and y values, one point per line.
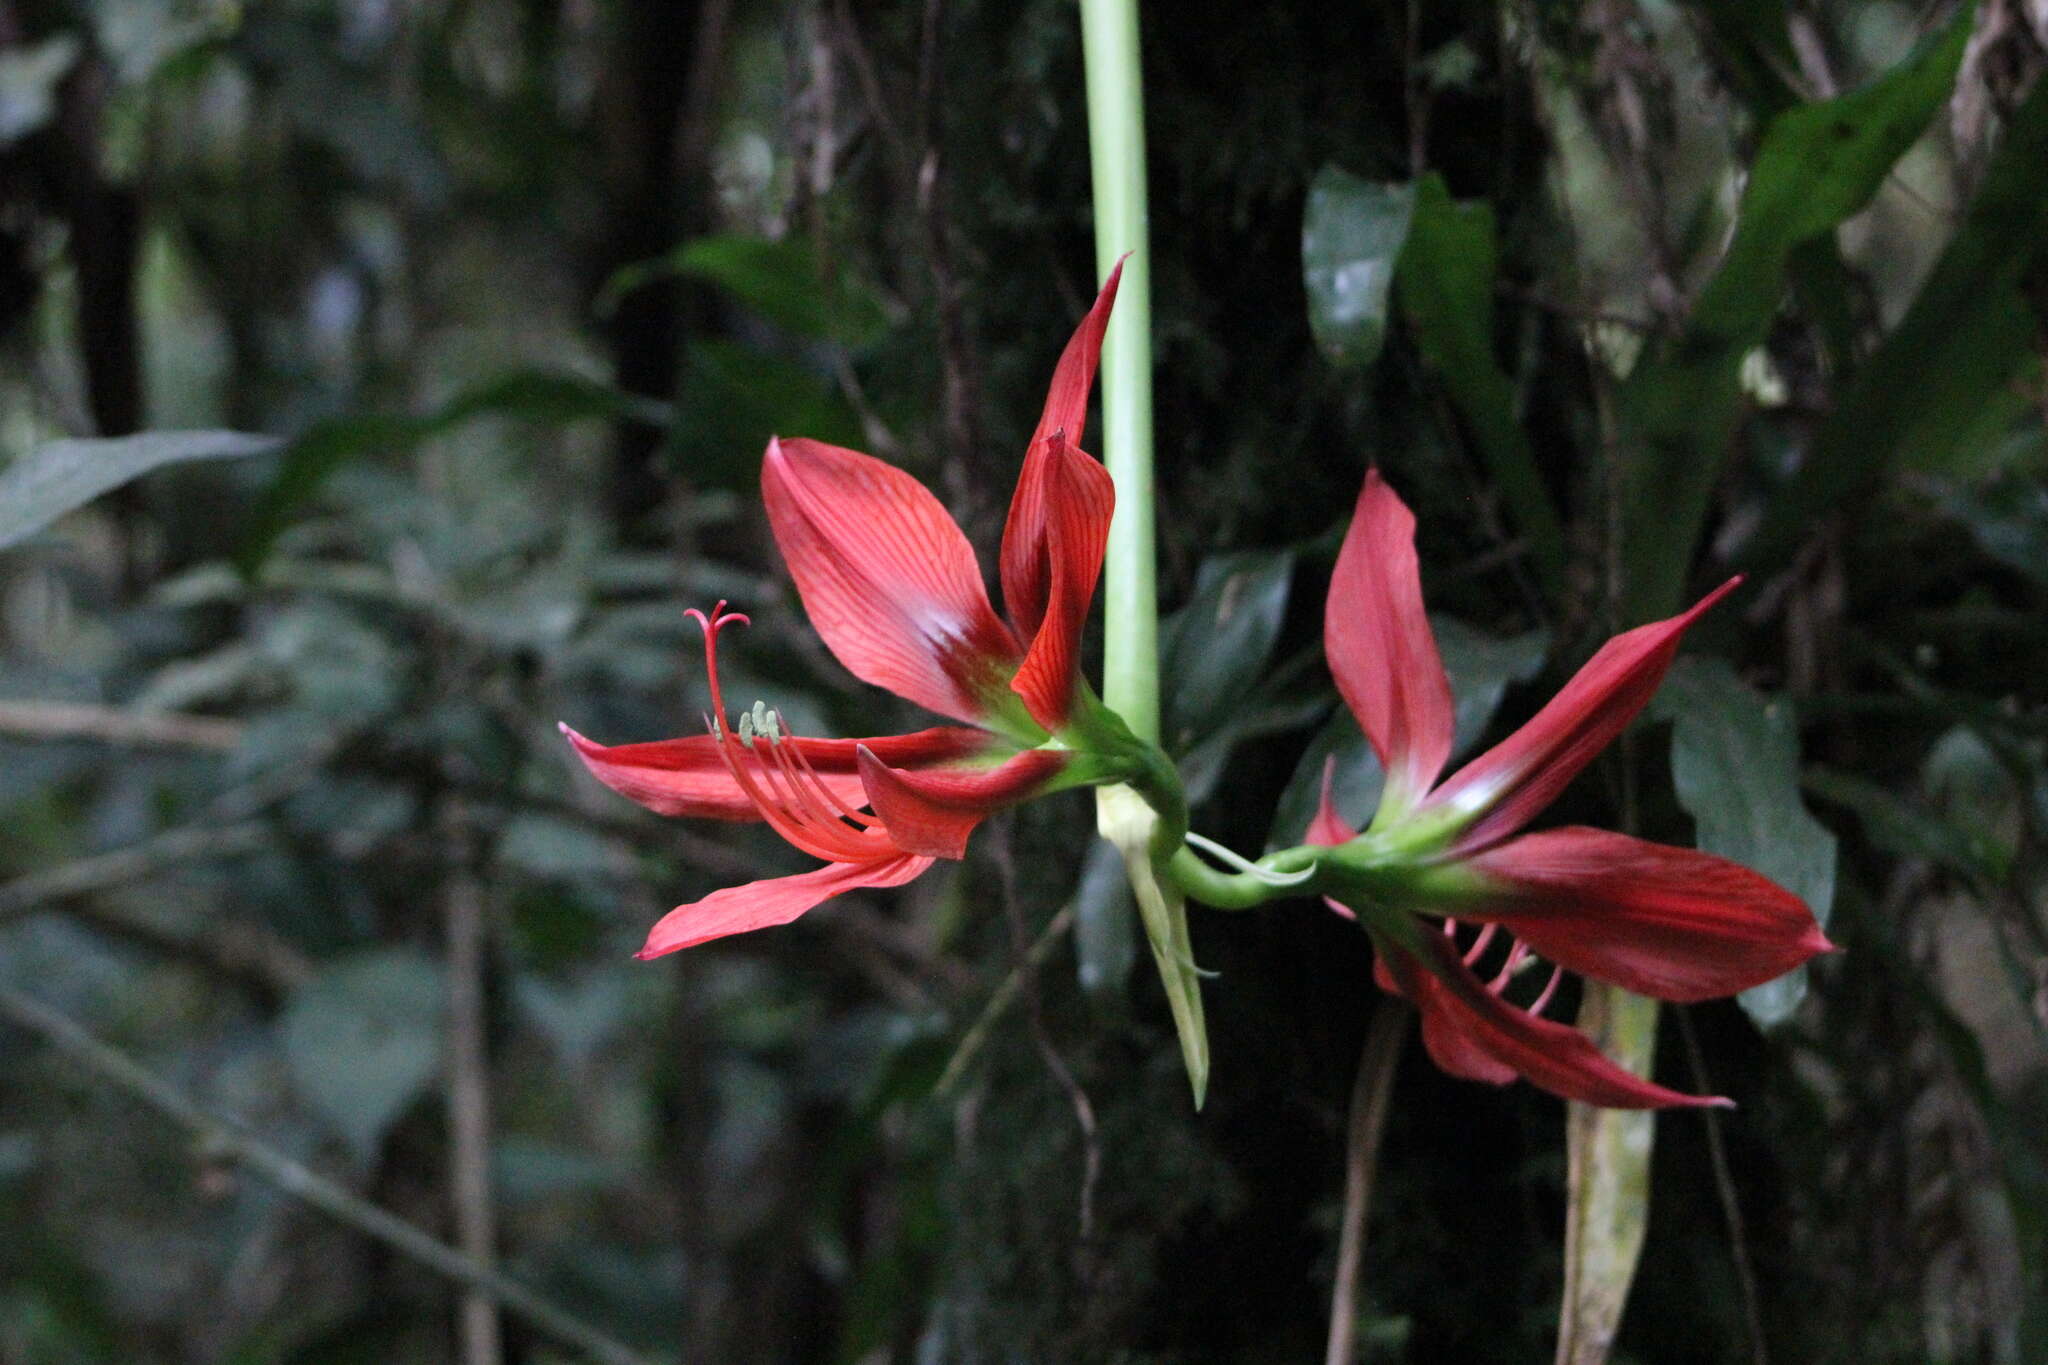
1516	956
1479	943
807	789
823	789
1549	989
793	799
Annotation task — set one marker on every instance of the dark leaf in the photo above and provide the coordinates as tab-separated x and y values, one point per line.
1735	763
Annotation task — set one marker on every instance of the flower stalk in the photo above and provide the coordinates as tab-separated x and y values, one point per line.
1116	148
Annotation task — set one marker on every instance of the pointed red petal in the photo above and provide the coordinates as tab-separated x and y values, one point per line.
1380	647
1674	923
687	777
1328	828
888	579
1080	500
1026	572
1449	1039
933	812
1512	782
1479	1035
777	900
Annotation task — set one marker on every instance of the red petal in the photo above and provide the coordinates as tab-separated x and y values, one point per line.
1026	571
1080	500
776	900
1328	828
1674	923
1512	782
888	579
933	812
687	777
1472	1032
1381	649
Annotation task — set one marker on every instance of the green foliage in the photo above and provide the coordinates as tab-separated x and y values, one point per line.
1448	277
1735	765
63	476
782	281
1817	164
1351	235
521	302
362	1038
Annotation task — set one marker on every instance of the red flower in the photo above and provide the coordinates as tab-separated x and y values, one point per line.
1673	923
893	588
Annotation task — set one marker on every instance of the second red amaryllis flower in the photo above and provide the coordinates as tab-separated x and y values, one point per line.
893	588
1673	923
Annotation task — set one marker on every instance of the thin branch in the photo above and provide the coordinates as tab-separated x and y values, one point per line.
1724	1185
999	999
224	1138
105	871
116	725
1369	1094
1034	1010
469	1092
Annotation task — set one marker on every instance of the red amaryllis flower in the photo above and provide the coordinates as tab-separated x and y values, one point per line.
1673	923
893	588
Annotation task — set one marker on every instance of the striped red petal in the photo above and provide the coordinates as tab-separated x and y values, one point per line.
776	900
1025	564
1381	649
1673	923
1512	782
889	581
1079	500
933	812
1473	1033
687	777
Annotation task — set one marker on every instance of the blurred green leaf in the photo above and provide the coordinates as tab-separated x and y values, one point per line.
1944	387
1351	235
2009	520
1355	781
1105	923
782	281
1446	277
363	1040
65	475
1735	764
1214	649
29	74
1818	164
537	395
1481	668
1904	826
735	398
527	1169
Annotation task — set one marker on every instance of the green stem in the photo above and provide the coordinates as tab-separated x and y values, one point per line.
1116	146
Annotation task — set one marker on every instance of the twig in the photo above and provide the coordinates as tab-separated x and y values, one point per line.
469	1093
1034	1010
1724	1185
104	871
115	725
999	999
227	1139
1369	1093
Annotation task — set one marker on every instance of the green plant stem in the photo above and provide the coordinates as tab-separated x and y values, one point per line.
1116	147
